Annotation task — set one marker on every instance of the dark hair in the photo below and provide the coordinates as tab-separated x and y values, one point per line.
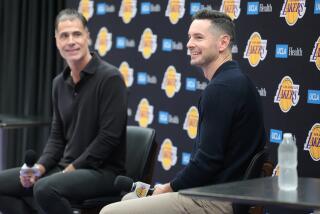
219	20
70	14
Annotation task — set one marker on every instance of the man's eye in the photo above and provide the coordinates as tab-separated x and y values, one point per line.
63	36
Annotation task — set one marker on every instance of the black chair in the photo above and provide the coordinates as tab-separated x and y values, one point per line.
254	170
141	153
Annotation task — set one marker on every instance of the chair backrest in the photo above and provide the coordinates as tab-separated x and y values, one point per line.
254	169
141	152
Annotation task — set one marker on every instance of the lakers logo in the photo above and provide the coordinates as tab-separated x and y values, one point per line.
315	56
141	189
168	154
148	43
171	81
144	114
231	8
86	8
191	122
127	73
313	142
128	10
292	10
175	10
256	49
287	94
141	192
103	42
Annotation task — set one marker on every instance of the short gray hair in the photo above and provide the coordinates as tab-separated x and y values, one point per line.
70	14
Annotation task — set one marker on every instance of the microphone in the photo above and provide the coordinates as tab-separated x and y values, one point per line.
29	165
126	184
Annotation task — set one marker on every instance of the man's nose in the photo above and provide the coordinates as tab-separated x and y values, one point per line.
70	39
190	43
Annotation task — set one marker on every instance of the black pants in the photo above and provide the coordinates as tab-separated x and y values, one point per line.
52	193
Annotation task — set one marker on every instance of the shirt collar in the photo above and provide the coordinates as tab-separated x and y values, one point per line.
90	68
225	66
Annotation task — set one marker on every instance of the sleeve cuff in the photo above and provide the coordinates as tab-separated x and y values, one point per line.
175	185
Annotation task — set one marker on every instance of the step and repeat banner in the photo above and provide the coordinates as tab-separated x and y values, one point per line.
278	46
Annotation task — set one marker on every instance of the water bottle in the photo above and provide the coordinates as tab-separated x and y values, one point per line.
287	159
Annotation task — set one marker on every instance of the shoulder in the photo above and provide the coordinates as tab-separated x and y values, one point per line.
108	76
107	66
57	80
229	86
107	70
232	80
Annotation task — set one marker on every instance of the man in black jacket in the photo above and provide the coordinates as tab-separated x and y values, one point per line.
86	148
230	129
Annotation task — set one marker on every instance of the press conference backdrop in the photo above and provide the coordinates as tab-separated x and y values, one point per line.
278	46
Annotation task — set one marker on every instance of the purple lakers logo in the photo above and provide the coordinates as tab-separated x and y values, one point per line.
315	56
231	7
313	142
287	94
292	10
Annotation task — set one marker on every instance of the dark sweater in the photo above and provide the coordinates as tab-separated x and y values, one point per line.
89	119
230	130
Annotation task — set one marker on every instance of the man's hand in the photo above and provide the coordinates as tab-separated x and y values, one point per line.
30	176
69	168
162	188
29	179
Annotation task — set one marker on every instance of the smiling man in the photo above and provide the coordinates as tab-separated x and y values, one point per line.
86	147
230	129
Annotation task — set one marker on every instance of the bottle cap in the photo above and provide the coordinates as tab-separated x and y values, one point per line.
287	135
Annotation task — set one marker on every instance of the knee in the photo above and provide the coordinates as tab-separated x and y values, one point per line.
113	208
129	196
41	190
105	210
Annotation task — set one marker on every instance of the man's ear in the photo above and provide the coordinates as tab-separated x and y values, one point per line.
224	42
